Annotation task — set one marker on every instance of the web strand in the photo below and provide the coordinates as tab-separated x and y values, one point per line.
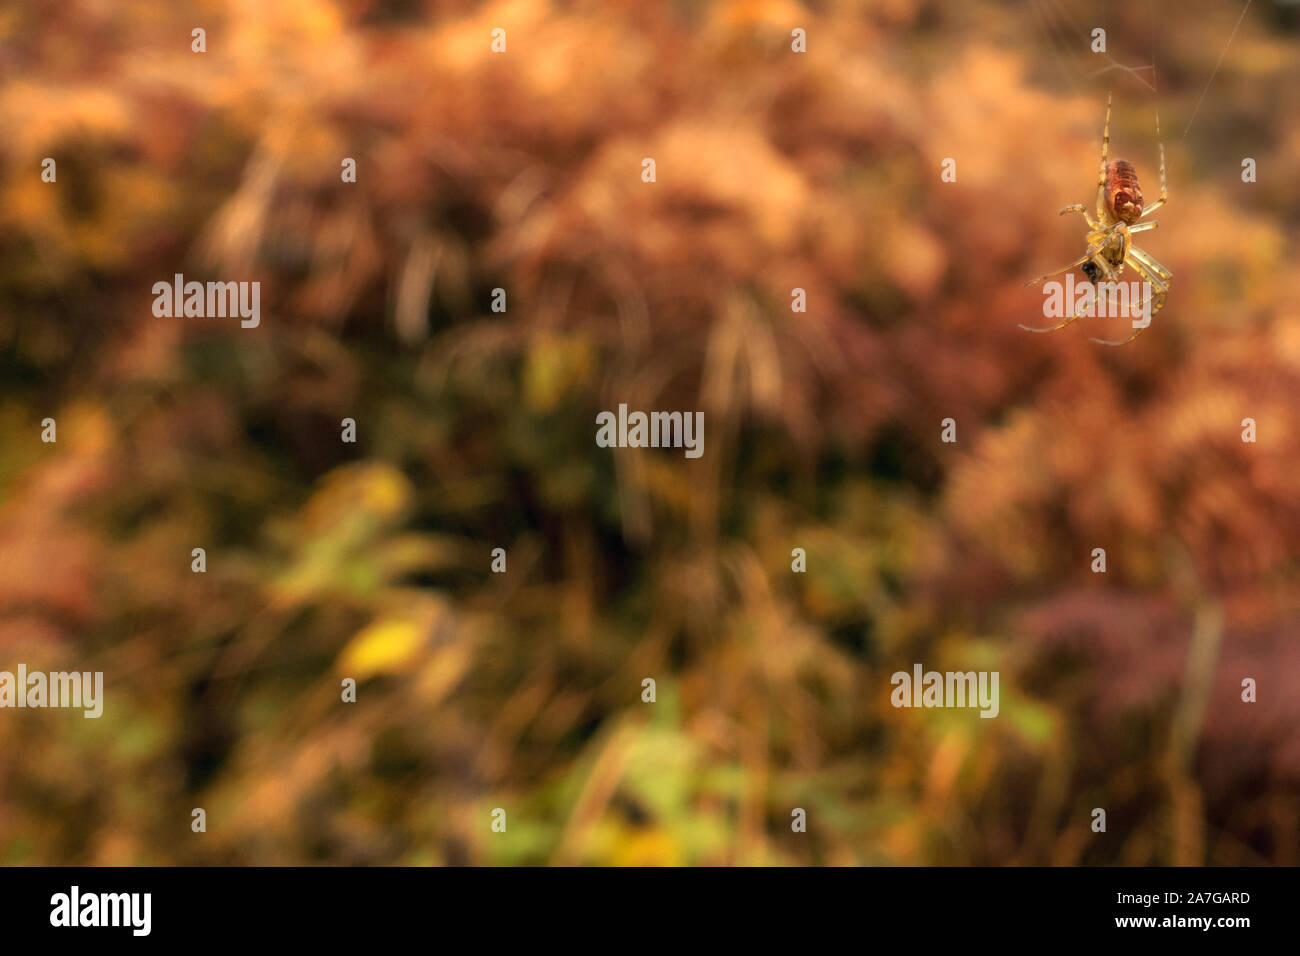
1216	66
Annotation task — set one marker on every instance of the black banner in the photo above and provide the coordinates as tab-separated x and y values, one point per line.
337	905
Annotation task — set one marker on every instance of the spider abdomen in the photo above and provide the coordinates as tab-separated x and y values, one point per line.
1123	194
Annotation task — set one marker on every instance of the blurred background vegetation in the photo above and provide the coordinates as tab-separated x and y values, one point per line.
476	431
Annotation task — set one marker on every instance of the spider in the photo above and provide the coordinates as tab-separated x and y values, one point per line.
1110	237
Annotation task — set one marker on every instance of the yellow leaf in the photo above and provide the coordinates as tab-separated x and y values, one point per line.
382	648
646	847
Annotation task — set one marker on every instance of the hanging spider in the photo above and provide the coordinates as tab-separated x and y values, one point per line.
1110	237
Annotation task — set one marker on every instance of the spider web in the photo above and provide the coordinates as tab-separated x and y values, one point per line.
1217	65
1068	40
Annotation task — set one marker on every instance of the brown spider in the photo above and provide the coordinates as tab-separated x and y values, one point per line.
1110	242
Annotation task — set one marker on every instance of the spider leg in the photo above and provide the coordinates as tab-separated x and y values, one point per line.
1144	226
1159	290
1066	321
1089	253
1080	207
1148	260
1107	271
1164	193
1101	173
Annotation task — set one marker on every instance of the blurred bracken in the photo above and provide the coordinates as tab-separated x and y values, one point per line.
522	171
